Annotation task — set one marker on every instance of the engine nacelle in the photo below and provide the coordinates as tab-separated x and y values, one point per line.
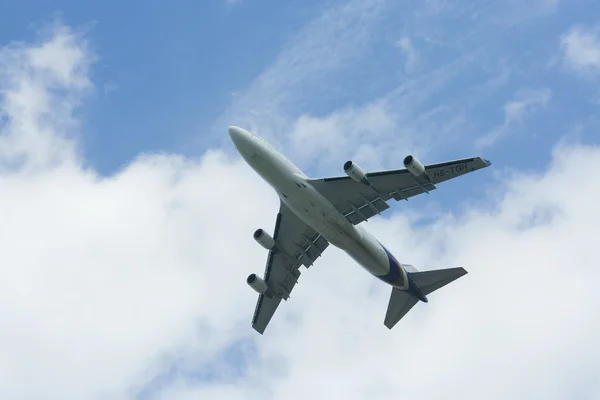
264	239
414	166
355	172
257	283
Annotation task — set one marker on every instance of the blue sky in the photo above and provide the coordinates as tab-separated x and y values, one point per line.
166	76
167	71
137	243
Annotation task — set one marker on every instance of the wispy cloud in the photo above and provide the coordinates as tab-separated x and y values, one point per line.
410	118
333	39
427	112
412	56
526	101
382	131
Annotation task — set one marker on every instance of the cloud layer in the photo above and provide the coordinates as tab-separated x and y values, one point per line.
134	284
581	49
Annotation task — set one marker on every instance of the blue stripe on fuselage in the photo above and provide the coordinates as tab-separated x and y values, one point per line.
395	277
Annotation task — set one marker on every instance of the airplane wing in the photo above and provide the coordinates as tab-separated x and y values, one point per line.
295	244
359	201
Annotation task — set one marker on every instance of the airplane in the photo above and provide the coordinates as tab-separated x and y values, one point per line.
314	213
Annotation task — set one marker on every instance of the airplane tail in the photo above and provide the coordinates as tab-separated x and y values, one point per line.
422	284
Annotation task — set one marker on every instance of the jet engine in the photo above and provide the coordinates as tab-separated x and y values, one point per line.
414	166
264	239
355	172
257	283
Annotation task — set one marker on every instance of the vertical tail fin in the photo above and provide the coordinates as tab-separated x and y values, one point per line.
400	303
427	282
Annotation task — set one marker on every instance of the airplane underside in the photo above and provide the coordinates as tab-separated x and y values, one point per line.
314	213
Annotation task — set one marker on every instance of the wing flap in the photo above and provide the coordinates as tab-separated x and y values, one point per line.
367	209
359	202
405	194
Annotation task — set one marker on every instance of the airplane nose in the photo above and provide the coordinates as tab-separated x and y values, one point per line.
242	140
235	133
238	136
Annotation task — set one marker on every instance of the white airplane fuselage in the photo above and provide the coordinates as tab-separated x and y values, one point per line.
294	189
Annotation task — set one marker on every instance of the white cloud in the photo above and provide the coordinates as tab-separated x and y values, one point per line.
580	48
103	276
526	101
109	282
360	134
529	297
381	132
412	56
38	127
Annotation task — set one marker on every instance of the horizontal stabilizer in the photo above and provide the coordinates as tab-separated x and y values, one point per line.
400	303
430	281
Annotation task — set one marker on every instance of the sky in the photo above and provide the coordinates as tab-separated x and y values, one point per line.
127	214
